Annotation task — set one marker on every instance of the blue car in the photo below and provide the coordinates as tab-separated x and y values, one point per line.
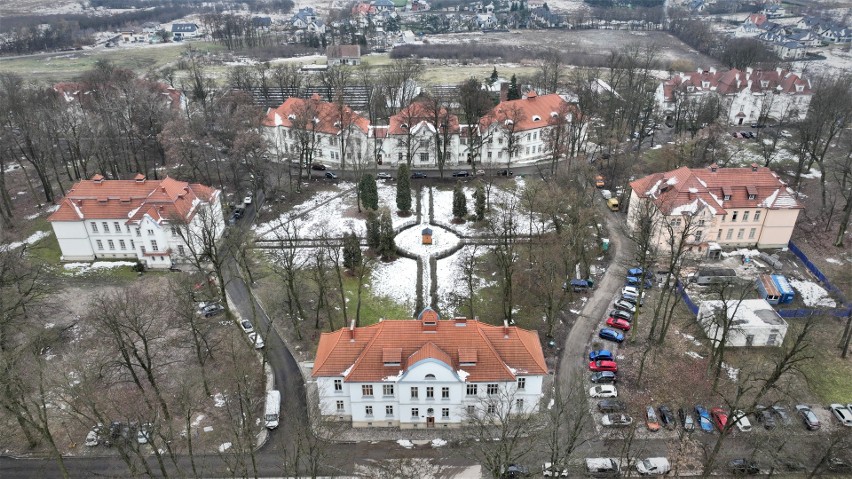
634	281
600	355
703	419
635	272
611	335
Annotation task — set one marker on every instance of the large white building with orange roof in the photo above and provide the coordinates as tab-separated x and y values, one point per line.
136	219
427	372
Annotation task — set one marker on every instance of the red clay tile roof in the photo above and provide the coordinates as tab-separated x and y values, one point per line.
688	190
733	81
343	51
326	115
534	111
420	114
132	199
499	354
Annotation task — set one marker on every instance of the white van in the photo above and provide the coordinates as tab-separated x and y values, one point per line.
602	467
273	408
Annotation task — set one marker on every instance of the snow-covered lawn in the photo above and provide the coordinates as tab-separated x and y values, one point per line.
813	294
77	269
451	278
32	239
396	280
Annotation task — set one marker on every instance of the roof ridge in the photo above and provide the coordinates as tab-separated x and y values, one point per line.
337	333
492	348
380	326
524	343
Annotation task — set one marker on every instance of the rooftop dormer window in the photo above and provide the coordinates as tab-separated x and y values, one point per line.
536	118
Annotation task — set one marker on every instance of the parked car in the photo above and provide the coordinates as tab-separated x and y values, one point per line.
618	323
808	417
211	310
703	419
625	306
418	175
330	175
602	467
758	125
686	420
638	272
461	174
603	391
743	467
600	355
611	405
740	418
93	438
113	433
653	466
383	175
611	335
616	420
256	340
666	416
505	173
633	281
618	313
247	326
651	420
550	470
842	413
143	434
317	166
603	377
634	300
720	418
514	471
781	412
599	181
765	417
603	366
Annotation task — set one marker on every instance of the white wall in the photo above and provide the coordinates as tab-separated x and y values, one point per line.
73	240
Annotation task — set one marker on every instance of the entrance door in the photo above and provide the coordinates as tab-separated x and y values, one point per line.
430	421
749	340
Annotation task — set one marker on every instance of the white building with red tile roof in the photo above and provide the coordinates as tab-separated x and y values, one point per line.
737	207
135	219
748	96
314	130
427	372
421	133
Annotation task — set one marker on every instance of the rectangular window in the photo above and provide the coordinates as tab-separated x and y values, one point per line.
445	393
745	216
757	216
94	227
527	151
122	245
340	406
430	392
726	197
116	226
719	235
424	157
492	409
522	383
424	143
338	385
415	392
399	157
519	404
138	231
387	389
734	217
366	389
730	233
132	245
150	232
489	155
111	245
100	244
106	226
142	249
445	413
751	233
415	412
388	410
174	231
698	236
154	245
180	250
471	410
492	389
368	410
127	228
740	233
700	222
471	389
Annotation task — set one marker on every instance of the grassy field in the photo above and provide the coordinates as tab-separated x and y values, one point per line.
373	306
57	67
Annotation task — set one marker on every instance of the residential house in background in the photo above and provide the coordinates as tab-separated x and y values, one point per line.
752	26
428	372
748	96
136	219
828	30
185	31
343	55
421	133
735	207
753	322
317	131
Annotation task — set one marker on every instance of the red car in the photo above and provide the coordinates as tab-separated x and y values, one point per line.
720	418
618	323
603	366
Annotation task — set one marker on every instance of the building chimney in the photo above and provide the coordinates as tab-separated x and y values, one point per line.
505	329
754	167
98	179
714	167
139	178
163	189
504	91
352	331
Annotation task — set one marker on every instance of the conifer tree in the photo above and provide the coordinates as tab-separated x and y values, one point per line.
403	188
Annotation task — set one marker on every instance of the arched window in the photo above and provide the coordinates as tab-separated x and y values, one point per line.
430	377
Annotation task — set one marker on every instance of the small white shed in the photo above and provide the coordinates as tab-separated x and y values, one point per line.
753	322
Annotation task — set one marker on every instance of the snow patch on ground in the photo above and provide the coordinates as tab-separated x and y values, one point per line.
396	280
219	400
813	294
748	253
224	446
82	268
32	239
833	261
693	354
198	420
452	287
438	442
733	372
405	443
